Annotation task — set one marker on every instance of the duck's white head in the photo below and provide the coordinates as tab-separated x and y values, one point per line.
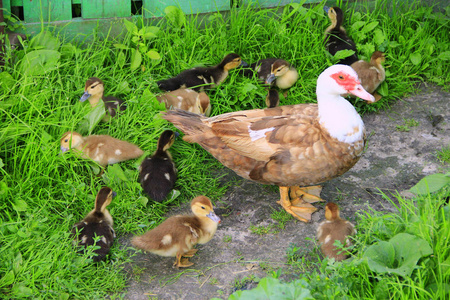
339	80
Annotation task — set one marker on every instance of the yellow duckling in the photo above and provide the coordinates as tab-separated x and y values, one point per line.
157	173
336	37
93	90
202	77
177	235
372	73
103	149
334	228
274	71
97	223
187	99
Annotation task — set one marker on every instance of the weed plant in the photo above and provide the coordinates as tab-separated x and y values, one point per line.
43	193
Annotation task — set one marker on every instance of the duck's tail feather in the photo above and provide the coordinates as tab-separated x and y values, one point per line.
190	124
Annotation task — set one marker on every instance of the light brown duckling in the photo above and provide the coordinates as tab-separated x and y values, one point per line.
93	90
177	235
334	228
274	71
371	74
157	173
97	223
187	99
202	77
103	149
272	98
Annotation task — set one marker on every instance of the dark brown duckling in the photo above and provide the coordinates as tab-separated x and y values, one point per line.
274	71
202	77
93	90
157	172
272	99
336	37
177	235
334	228
98	223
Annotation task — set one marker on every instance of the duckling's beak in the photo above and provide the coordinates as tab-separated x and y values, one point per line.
270	79
85	96
213	217
243	64
360	92
113	194
64	149
326	9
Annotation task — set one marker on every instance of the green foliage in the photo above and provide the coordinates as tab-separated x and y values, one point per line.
431	183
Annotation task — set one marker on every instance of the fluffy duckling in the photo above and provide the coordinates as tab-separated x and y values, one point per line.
93	90
336	37
334	228
274	71
187	99
177	235
103	149
202	77
157	172
371	73
97	223
272	98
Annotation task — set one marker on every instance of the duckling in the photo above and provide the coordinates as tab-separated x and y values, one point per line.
97	223
102	149
334	228
177	235
336	37
187	99
274	71
371	73
93	90
272	98
157	173
202	77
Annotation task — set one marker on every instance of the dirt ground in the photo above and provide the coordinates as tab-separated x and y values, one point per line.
394	161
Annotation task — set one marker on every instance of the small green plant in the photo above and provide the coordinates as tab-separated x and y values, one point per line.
213	281
243	282
443	155
282	217
408	123
227	239
261	229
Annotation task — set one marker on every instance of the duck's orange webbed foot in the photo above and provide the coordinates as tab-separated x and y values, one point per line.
299	208
309	194
190	253
182	263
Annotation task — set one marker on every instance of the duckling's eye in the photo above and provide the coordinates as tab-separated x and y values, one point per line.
203	207
66	141
341	77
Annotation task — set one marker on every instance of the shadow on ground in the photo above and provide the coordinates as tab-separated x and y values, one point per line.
398	155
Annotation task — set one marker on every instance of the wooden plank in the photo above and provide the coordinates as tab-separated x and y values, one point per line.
50	10
16	2
93	9
6	7
275	3
155	8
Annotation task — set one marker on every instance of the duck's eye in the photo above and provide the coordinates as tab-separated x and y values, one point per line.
66	141
203	207
341	77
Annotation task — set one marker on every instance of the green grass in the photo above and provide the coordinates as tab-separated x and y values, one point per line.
43	193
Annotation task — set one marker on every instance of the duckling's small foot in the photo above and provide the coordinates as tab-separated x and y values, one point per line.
298	208
309	194
190	253
182	262
376	96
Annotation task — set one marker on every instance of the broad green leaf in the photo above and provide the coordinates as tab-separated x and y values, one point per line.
444	55
369	27
17	263
123	87
20	290
431	183
152	54
152	29
68	51
398	256
415	58
130	26
136	59
121	59
357	25
341	54
378	36
175	16
44	40
383	89
7	279
394	44
149	35
143	200
20	205
116	172
247	87
121	46
1	163
91	120
6	81
38	62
